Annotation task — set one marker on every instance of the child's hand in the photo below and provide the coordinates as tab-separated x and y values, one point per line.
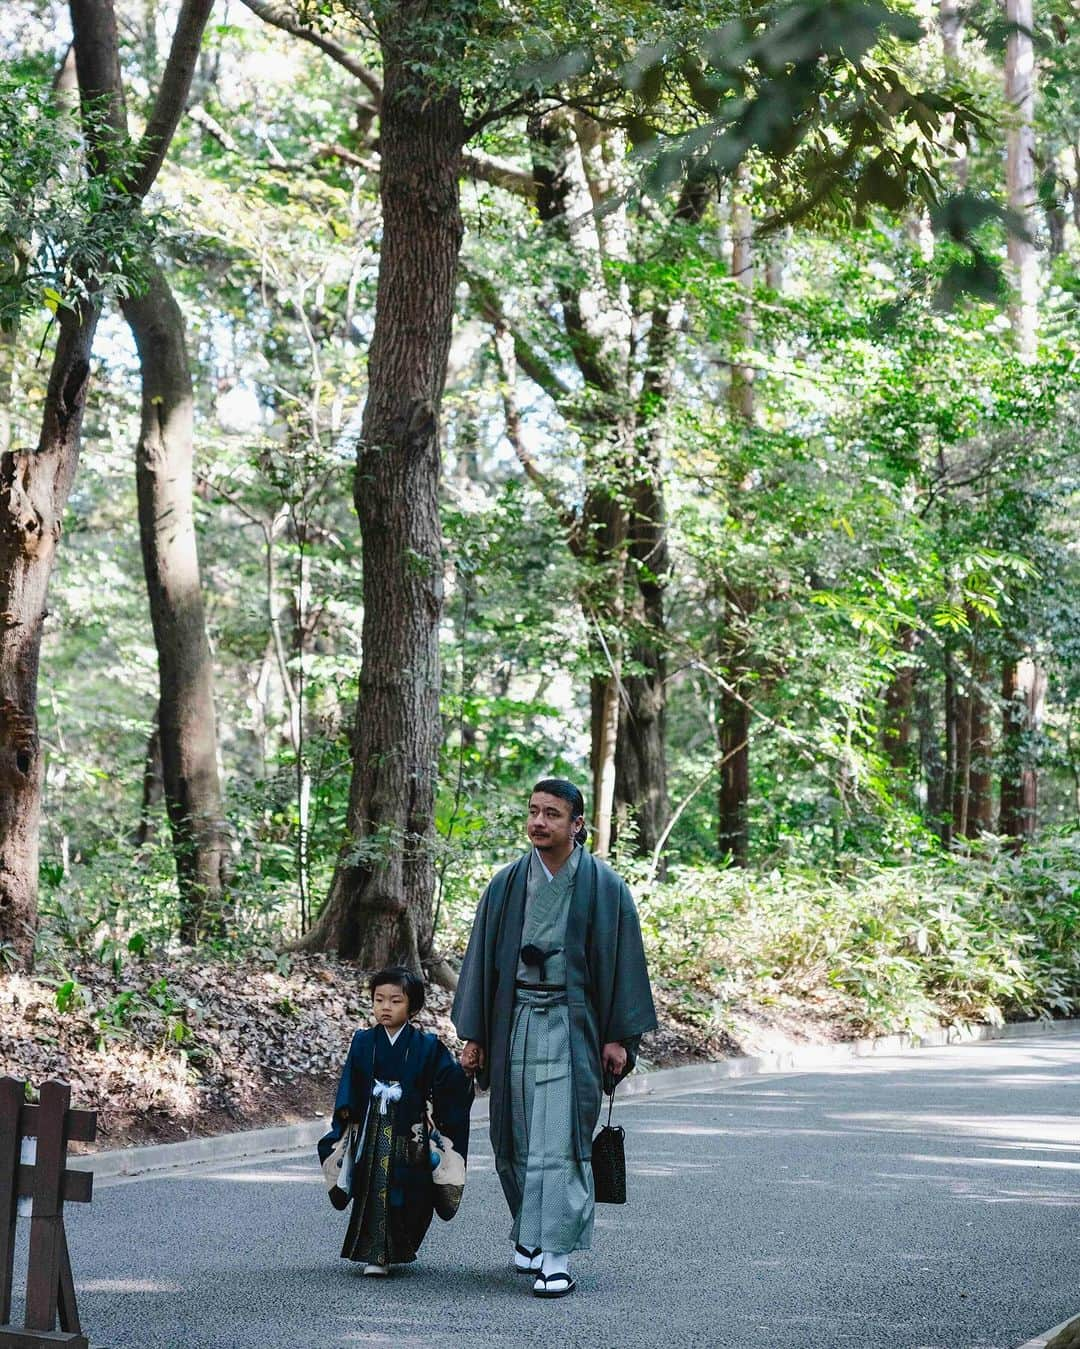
472	1057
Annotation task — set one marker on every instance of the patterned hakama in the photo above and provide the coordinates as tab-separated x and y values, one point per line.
556	1209
556	1212
372	1236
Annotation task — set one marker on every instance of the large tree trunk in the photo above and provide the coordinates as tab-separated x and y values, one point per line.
34	488
164	480
380	903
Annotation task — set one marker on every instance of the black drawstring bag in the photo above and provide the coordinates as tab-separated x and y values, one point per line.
609	1159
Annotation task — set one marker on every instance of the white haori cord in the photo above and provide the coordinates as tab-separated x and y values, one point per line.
386	1091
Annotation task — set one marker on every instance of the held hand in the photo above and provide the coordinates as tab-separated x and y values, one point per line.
613	1058
472	1057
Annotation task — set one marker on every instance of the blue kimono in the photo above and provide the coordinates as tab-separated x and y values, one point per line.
392	1188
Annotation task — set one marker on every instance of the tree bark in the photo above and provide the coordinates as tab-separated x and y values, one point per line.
733	730
899	704
34	488
153	789
733	830
1023	694
380	904
972	805
1020	172
164	481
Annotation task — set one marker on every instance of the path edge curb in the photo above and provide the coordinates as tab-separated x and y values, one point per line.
1043	1341
246	1143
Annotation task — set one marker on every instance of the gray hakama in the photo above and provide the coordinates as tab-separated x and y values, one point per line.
555	1186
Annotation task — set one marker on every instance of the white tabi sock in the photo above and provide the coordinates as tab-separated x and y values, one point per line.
555	1262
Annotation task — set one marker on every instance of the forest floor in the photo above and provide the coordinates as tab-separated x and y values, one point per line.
170	1048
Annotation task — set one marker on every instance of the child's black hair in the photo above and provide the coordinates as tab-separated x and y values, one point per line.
410	984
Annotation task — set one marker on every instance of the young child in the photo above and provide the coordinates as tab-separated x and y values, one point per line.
394	1071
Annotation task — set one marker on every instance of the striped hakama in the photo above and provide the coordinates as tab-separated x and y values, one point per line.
548	1189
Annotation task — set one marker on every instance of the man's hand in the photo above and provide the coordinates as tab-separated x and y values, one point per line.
472	1057
613	1058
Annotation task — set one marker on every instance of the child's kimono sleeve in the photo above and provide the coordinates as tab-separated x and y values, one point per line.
451	1099
347	1102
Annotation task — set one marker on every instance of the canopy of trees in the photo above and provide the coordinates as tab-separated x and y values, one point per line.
400	402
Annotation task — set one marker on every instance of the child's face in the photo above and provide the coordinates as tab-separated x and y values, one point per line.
390	1006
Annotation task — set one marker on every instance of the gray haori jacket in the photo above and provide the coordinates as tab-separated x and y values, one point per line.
607	987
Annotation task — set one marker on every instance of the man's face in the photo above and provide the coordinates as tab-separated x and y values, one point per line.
551	826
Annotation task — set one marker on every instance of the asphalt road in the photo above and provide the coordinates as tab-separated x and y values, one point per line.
929	1201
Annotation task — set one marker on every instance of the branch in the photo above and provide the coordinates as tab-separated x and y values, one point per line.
279	17
504	352
481	168
488	169
213	127
172	94
526	356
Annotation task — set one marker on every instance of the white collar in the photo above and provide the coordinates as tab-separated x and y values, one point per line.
393	1038
549	874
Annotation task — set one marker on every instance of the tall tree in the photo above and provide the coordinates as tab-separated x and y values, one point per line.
733	713
34	485
380	903
1021	682
186	720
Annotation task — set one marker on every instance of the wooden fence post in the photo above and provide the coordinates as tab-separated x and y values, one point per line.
50	1288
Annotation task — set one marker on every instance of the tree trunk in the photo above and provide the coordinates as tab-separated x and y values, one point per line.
1023	694
951	24
733	833
899	702
164	481
1020	173
981	748
931	762
34	488
641	749
153	789
380	903
952	719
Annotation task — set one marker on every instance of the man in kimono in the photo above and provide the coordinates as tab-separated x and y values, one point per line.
552	1001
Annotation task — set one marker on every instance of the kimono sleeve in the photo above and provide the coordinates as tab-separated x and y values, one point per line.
451	1099
473	999
342	1101
632	1012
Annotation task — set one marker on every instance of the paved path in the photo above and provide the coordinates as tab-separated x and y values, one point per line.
929	1201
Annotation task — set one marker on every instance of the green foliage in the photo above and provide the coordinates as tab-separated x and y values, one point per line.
983	938
62	228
